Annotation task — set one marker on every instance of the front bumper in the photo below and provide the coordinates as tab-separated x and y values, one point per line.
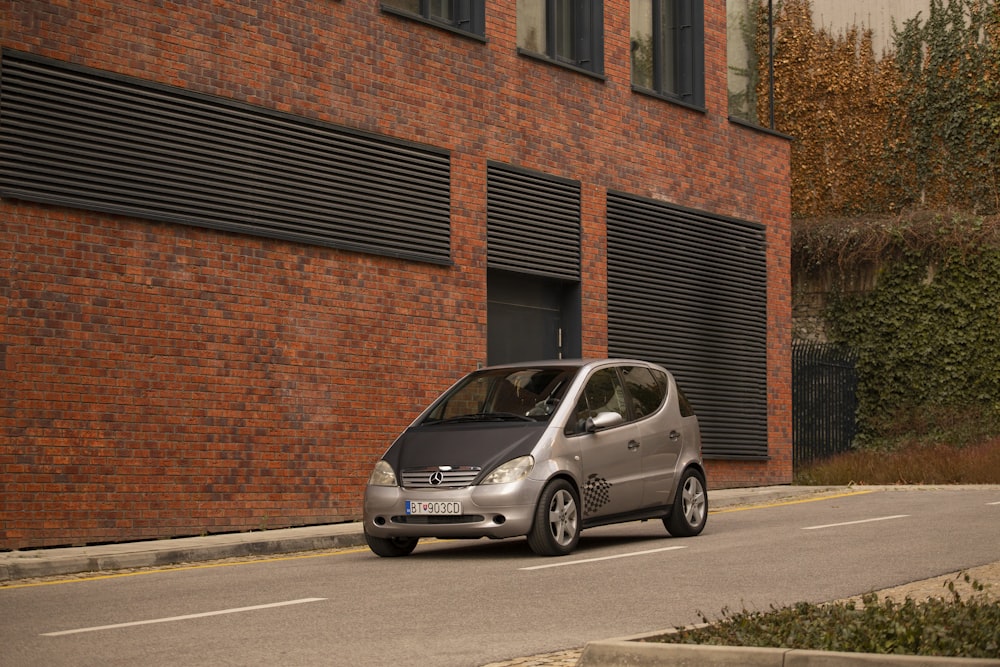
495	510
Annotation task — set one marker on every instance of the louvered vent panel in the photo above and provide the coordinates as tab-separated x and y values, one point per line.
83	138
533	223
689	290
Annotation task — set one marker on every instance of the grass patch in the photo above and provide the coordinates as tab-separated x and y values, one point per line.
949	626
913	463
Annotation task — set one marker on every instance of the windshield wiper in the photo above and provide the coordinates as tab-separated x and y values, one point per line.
484	417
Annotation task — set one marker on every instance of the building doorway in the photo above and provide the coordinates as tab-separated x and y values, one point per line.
531	318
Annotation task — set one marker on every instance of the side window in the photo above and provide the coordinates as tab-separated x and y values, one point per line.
645	391
570	32
686	409
603	393
668	46
466	16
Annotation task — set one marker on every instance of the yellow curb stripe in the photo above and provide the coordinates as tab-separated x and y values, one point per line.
796	501
153	569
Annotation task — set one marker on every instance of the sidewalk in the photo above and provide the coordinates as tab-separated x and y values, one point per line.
29	564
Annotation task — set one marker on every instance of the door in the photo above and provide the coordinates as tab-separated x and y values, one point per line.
530	318
518	332
611	458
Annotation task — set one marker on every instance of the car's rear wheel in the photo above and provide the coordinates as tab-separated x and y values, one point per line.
690	510
556	529
391	547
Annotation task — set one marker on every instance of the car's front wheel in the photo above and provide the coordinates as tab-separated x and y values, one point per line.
391	547
690	510
556	530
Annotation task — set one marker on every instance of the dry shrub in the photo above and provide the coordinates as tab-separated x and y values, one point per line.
915	464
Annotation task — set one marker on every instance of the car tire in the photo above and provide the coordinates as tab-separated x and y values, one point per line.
689	512
391	547
556	529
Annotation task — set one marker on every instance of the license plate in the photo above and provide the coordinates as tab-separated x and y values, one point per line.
433	507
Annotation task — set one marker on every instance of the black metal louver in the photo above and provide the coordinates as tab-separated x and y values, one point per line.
689	290
533	223
84	138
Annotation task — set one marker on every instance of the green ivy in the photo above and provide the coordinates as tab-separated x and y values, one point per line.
947	152
927	339
948	626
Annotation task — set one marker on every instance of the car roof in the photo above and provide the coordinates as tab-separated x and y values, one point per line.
568	363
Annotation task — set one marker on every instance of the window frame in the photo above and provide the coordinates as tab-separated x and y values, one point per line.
585	34
469	16
688	51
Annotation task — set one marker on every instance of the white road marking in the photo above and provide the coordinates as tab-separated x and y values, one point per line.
996	503
182	618
594	560
852	523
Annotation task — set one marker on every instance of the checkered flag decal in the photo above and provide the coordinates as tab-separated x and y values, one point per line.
596	493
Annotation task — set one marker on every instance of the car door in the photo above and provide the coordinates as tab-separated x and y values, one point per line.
661	431
610	457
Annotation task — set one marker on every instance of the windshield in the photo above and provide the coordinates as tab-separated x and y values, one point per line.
511	394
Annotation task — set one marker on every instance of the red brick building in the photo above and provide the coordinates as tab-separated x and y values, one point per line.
244	242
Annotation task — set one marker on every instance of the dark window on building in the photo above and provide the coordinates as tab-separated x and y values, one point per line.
465	16
750	62
668	45
569	32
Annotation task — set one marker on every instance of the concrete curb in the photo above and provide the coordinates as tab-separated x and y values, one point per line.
17	565
621	653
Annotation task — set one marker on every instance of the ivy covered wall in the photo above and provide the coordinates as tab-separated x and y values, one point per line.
896	208
918	300
918	126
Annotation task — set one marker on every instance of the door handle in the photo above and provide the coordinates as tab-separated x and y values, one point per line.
675	436
633	445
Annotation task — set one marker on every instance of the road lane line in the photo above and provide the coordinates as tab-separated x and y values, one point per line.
237	610
852	523
594	560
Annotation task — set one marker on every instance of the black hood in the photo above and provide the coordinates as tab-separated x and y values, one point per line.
481	445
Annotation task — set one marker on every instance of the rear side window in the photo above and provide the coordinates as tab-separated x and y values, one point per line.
686	409
645	390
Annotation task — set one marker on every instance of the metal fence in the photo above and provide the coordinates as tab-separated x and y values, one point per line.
824	400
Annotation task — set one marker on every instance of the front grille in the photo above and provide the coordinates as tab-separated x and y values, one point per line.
453	477
427	519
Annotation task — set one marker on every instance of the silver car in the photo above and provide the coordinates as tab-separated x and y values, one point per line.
542	450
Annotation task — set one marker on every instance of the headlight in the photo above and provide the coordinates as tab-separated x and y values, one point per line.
511	471
382	475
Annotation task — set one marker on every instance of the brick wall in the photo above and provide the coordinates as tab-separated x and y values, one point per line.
162	380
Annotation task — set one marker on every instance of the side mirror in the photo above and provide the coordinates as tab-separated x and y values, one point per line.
603	420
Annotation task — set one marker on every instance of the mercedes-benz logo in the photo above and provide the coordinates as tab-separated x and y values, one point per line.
436	478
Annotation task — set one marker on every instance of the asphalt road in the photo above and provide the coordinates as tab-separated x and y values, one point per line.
471	603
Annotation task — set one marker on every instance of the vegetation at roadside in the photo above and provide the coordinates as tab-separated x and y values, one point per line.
948	626
912	464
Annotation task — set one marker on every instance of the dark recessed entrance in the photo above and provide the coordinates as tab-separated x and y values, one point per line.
530	318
